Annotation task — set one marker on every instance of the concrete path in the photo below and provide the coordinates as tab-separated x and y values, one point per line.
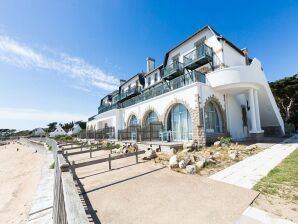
42	203
248	172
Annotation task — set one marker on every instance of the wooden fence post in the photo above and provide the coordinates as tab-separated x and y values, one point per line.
137	159
90	151
66	156
110	162
73	169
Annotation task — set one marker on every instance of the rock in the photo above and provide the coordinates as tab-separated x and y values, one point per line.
216	155
217	143
173	162
190	159
150	154
233	154
200	164
173	151
136	147
200	159
251	147
210	161
182	164
191	169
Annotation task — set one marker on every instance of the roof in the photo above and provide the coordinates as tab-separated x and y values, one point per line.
219	36
158	67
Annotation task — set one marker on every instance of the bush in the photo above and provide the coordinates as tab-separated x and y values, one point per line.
225	140
49	147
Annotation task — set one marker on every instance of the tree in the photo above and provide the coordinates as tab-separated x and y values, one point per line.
67	126
82	125
285	92
52	126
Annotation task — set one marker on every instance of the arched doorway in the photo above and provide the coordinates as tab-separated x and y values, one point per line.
213	118
133	121
151	118
179	123
151	128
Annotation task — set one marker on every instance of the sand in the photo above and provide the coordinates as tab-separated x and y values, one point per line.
19	174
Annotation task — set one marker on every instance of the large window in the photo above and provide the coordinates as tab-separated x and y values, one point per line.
151	118
213	119
133	121
179	123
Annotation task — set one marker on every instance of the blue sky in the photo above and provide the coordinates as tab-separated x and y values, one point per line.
58	58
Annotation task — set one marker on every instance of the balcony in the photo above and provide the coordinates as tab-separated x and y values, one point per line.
162	88
172	70
198	57
131	92
104	108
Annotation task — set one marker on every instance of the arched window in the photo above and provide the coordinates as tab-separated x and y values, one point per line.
133	120
213	119
151	118
179	122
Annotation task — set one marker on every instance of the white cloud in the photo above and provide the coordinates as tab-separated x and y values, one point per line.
29	114
21	55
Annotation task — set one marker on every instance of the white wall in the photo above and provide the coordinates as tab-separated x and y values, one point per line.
231	56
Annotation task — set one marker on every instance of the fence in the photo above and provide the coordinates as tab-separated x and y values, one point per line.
149	132
100	134
67	207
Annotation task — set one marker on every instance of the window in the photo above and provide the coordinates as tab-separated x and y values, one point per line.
155	77
151	118
149	81
213	120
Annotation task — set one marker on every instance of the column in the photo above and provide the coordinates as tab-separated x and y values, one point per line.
257	111
252	110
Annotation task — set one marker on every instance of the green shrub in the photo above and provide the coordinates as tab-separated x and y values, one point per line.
225	140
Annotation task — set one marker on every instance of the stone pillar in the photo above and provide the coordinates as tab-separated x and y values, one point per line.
252	110
257	111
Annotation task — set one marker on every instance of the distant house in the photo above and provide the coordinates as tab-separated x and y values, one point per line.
58	131
38	132
75	130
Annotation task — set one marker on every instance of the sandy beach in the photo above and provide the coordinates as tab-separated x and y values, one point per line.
20	173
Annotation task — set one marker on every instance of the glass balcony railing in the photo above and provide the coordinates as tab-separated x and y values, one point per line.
172	70
163	88
198	57
157	90
130	93
104	108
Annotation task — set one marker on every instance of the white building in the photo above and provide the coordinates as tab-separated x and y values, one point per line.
58	131
38	132
75	130
205	88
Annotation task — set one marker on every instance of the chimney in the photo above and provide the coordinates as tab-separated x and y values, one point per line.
150	64
122	81
245	52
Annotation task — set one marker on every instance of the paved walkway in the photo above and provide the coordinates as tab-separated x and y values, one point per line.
250	171
42	203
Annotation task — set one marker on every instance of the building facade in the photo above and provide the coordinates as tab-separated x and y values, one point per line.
205	88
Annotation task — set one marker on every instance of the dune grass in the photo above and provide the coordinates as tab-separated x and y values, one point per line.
282	181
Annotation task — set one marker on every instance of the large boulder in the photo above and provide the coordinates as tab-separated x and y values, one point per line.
233	154
190	159
200	165
173	162
217	144
191	169
182	164
150	154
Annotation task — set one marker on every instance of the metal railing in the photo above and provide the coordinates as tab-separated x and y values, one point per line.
99	134
201	52
130	92
172	69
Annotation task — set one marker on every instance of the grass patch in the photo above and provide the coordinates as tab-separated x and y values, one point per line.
52	166
49	147
282	181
